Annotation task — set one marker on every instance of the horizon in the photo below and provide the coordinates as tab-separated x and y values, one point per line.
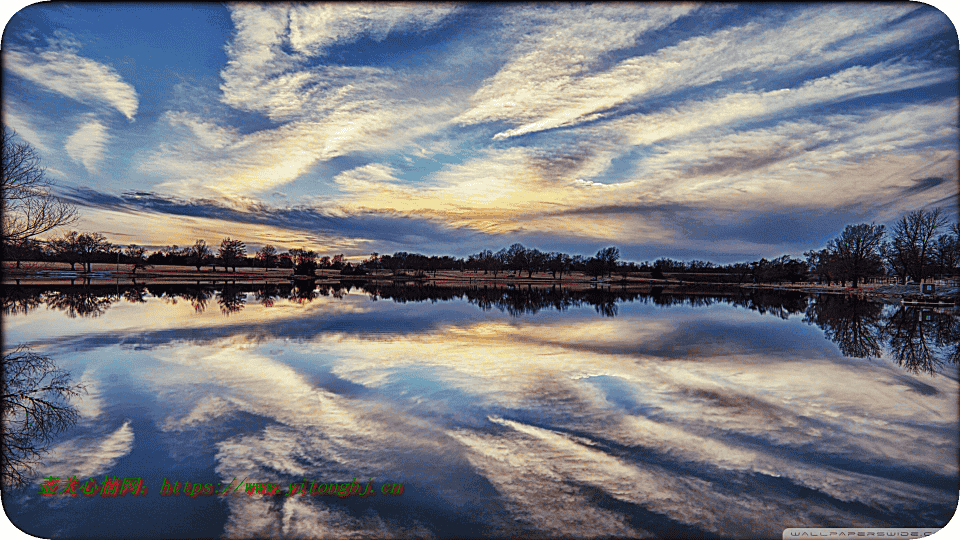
721	133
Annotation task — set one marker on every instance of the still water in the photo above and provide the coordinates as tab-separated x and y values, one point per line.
502	412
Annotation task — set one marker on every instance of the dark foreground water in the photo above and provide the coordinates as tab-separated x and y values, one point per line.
502	413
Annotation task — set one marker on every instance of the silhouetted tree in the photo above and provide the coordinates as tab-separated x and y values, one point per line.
135	254
305	262
947	252
29	209
74	247
911	253
200	253
267	255
857	251
230	252
36	407
608	258
558	263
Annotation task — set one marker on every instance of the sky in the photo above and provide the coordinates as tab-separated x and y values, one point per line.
719	132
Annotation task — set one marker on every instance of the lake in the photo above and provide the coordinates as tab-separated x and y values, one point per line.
509	412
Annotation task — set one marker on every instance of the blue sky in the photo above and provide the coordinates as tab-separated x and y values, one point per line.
719	131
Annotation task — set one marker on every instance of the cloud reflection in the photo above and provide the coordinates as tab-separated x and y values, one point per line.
664	419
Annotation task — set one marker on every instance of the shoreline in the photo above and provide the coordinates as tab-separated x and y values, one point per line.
33	273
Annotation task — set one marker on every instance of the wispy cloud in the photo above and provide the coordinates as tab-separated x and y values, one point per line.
86	457
321	110
60	69
16	120
738	107
547	80
612	123
88	144
550	87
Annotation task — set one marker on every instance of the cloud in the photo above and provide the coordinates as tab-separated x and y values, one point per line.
546	80
923	184
737	107
262	76
60	69
88	144
13	118
158	220
315	27
86	457
549	87
319	109
871	151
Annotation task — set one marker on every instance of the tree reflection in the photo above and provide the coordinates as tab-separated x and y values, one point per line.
910	332
267	294
198	297
305	291
859	327
36	407
946	335
853	323
20	300
919	340
135	295
231	299
80	301
93	300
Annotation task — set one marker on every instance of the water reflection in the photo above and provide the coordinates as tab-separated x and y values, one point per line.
92	300
36	408
920	340
505	411
853	323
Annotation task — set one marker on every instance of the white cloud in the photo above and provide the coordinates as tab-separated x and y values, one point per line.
88	144
323	111
557	49
261	76
62	70
13	118
316	26
86	457
736	107
799	161
544	88
203	158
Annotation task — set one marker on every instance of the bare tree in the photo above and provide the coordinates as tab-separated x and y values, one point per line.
136	253
90	244
267	255
857	251
912	251
230	251
36	407
74	247
29	208
947	251
608	259
65	249
200	253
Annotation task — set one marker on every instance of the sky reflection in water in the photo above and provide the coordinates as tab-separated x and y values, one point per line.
713	420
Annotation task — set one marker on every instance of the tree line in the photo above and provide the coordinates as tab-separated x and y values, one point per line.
920	246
